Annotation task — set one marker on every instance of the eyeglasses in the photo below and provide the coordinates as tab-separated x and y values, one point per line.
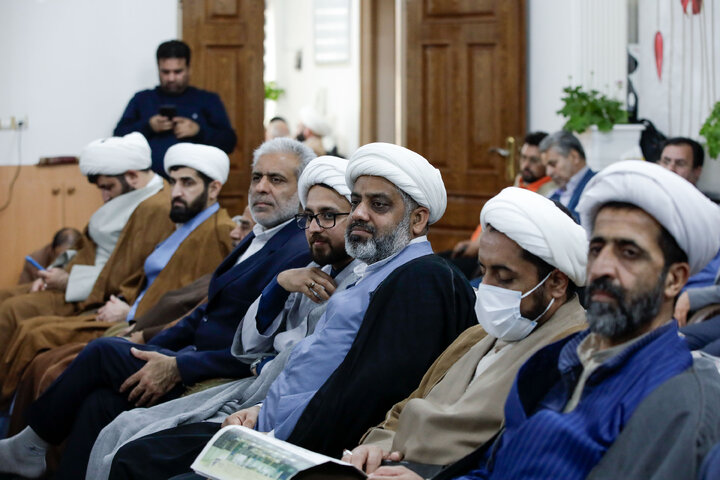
323	219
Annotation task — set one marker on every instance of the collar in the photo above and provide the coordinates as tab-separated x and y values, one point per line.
575	179
263	233
569	359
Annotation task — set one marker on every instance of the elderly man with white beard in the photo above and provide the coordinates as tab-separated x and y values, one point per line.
625	398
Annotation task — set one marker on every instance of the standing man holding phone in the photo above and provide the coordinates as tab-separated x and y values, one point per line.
174	111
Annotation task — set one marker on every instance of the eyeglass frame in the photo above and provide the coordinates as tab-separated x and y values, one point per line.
308	218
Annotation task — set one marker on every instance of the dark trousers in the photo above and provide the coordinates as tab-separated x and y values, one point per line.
163	454
85	398
704	336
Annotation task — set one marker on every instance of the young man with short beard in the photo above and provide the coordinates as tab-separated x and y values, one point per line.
624	399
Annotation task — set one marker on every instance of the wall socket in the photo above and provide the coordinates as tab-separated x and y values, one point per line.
14	123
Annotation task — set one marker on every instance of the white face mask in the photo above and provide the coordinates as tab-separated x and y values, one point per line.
498	311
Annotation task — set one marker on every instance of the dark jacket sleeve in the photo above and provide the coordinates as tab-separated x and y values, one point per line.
670	432
412	317
195	366
133	120
215	128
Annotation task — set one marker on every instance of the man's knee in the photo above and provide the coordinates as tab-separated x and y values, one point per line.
102	347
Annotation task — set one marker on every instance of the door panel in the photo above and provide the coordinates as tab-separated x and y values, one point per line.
465	78
226	38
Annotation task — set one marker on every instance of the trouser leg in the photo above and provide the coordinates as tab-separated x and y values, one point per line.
162	454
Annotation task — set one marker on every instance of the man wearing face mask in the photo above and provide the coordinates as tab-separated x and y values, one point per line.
533	257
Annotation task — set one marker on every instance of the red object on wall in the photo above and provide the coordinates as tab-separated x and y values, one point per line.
696	6
659	53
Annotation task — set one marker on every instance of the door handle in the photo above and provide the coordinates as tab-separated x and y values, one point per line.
508	153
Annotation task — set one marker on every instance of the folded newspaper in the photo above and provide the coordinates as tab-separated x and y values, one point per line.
241	453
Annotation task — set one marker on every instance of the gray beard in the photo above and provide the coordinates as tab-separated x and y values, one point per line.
282	213
626	317
378	248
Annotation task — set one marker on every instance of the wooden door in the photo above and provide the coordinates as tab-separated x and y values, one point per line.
465	93
226	38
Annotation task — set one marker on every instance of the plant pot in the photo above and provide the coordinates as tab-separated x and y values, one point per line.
605	148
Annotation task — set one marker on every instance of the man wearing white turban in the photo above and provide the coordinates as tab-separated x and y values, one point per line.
119	166
625	398
533	257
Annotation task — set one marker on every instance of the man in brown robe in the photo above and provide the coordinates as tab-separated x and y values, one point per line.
111	251
201	227
533	258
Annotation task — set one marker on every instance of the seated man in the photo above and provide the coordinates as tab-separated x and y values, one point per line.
375	339
133	195
112	375
564	159
50	255
176	112
532	256
197	173
606	400
325	198
685	157
531	177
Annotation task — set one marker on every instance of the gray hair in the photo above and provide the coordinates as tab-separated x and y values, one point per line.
562	141
287	146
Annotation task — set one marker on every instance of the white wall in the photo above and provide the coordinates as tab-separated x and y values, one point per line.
71	66
680	100
572	42
332	89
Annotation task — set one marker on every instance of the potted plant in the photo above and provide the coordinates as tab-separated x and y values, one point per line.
601	125
711	131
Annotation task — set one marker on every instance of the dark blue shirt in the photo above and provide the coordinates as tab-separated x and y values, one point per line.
203	107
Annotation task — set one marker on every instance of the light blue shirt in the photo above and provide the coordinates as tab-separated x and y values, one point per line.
567	191
164	251
317	356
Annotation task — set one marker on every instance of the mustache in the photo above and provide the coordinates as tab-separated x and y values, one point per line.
179	200
360	225
262	198
318	236
605	285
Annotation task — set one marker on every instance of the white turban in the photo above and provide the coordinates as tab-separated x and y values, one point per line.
116	155
409	171
690	217
314	121
327	170
540	227
211	161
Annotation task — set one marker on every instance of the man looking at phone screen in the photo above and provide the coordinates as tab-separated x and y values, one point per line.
174	111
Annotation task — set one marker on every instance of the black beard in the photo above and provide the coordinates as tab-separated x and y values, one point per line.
184	213
332	256
629	315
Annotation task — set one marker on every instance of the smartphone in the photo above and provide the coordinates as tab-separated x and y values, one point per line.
32	262
168	111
